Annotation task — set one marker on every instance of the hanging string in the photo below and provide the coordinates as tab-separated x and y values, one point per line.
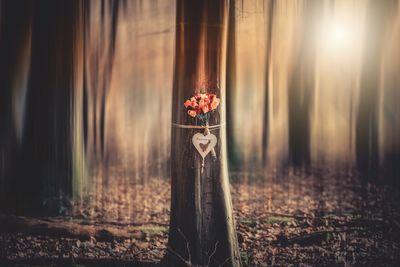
188	126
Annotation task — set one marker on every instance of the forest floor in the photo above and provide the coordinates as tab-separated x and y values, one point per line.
295	220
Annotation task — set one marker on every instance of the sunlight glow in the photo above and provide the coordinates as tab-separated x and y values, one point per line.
338	36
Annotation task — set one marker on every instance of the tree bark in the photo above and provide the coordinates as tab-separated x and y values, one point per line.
202	229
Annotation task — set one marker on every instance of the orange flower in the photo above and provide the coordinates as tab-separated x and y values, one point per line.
192	113
215	103
187	103
205	108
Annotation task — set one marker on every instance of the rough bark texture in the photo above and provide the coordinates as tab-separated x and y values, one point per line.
202	228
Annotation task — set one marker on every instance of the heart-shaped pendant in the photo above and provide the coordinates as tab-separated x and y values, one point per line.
204	143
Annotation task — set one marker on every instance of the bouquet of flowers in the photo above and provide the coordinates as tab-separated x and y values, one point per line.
201	106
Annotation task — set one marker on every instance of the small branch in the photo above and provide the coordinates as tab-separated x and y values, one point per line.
321	217
188	263
212	254
289	215
225	261
63	228
187	245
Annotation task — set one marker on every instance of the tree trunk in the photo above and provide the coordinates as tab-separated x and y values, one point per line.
271	5
202	229
15	27
45	160
233	150
378	16
301	85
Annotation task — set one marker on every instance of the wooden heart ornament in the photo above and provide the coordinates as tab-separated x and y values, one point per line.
204	143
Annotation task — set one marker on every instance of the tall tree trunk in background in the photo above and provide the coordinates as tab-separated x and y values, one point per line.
378	15
233	153
271	5
46	155
101	22
15	25
202	228
300	87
